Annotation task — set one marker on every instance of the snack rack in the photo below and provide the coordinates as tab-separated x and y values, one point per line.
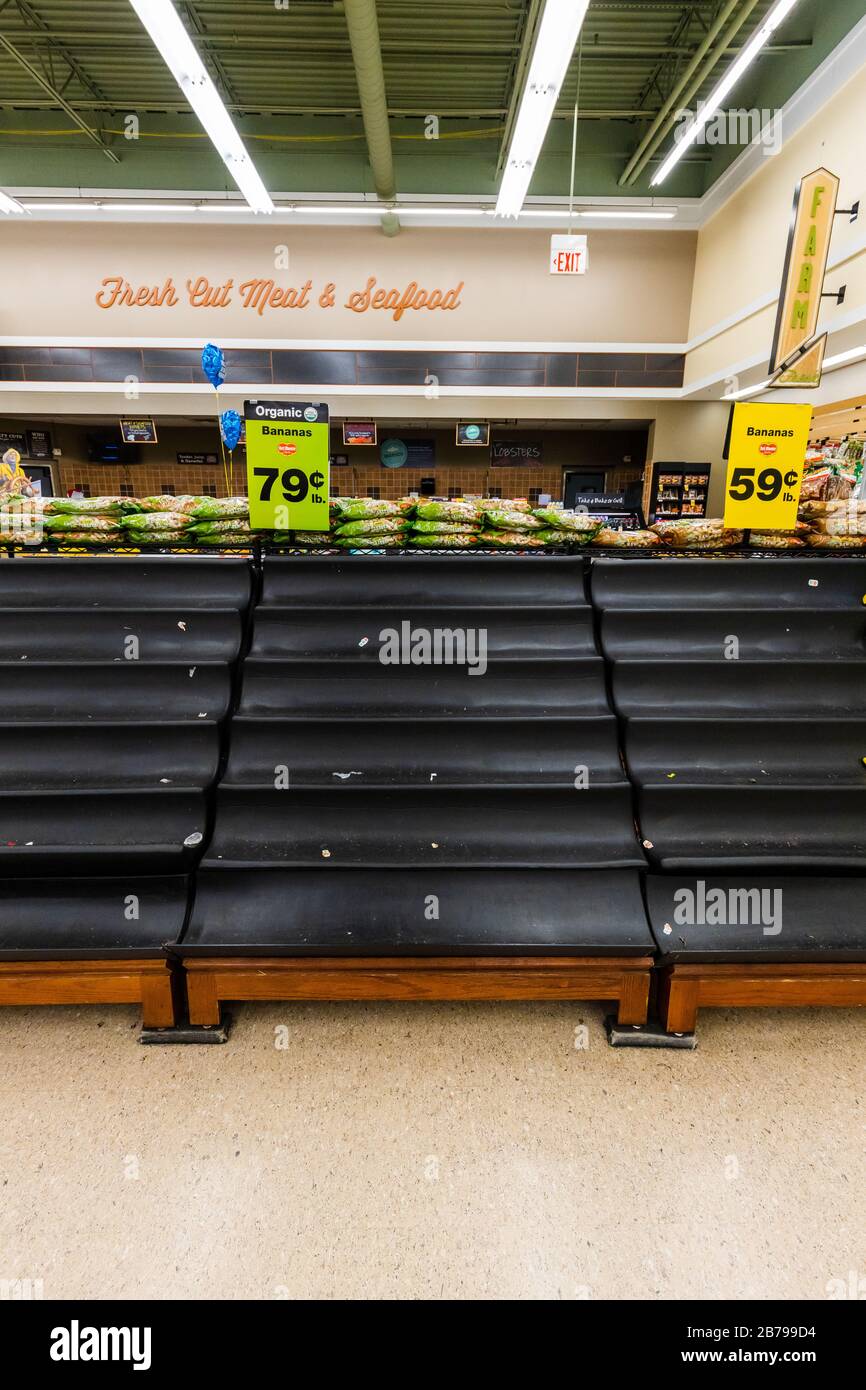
673	490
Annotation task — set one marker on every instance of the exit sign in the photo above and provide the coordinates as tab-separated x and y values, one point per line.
568	255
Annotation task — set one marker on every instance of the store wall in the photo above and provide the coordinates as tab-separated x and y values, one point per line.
741	251
494	285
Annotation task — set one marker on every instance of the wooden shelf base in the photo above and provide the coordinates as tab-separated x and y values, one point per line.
683	989
150	983
211	980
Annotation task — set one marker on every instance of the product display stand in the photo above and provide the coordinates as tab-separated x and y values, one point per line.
151	983
684	989
418	979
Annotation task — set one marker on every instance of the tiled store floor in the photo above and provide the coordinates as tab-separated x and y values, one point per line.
432	1151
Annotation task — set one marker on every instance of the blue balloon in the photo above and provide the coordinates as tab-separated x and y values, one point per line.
230	428
213	364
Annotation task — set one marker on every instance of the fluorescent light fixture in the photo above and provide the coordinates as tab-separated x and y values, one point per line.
649	214
707	111
349	210
747	391
9	205
162	22
554	44
840	358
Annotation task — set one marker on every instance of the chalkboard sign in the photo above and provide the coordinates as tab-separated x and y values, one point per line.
197	460
141	431
38	444
510	453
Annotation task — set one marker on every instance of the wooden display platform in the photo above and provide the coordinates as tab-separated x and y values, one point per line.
212	979
683	989
149	982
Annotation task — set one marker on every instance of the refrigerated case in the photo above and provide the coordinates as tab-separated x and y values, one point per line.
676	489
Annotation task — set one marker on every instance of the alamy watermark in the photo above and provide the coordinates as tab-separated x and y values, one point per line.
756	125
723	907
438	646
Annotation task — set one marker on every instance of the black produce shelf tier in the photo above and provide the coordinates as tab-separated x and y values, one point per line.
746	757
110	757
784	918
704	634
688	582
741	689
753	752
465	752
459	581
352	827
362	690
365	634
102	918
407	912
115	675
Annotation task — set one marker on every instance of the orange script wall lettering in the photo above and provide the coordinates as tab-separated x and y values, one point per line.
263	295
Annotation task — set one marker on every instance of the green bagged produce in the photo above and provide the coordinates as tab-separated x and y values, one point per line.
364	508
116	537
225	538
509	539
163	503
303	538
216	508
105	506
449	511
443	541
216	528
504	520
389	541
561	519
139	523
508	504
96	524
372	526
444	528
551	537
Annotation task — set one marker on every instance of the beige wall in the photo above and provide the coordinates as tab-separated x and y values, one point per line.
741	251
637	289
693	432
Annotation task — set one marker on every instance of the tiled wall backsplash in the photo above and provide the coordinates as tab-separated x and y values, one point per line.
146	480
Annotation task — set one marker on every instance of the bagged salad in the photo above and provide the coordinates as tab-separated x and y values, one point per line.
139	523
505	520
82	506
364	508
443	541
443	528
372	526
216	508
509	539
449	511
82	523
382	542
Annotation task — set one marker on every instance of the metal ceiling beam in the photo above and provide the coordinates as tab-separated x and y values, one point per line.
363	25
36	28
58	99
697	70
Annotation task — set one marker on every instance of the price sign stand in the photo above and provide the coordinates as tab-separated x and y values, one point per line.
765	466
288	465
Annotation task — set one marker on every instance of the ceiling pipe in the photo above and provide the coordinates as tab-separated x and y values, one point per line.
696	72
363	26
